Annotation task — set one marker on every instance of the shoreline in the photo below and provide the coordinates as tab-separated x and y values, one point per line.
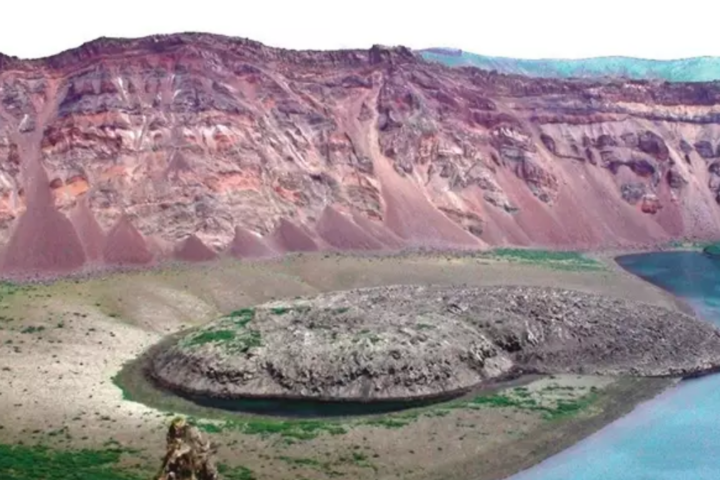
552	440
138	383
617	407
617	401
92	271
139	308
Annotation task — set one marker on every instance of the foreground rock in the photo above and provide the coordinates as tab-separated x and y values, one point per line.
188	455
411	342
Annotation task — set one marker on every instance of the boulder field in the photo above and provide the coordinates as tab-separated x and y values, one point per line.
421	342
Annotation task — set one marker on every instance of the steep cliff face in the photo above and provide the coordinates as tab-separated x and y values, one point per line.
195	134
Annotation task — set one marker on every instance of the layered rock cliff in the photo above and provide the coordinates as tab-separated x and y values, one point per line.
195	134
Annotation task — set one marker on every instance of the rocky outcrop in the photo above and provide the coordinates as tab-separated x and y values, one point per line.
188	455
200	134
411	342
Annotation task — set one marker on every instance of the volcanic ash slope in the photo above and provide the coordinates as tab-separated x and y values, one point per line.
409	342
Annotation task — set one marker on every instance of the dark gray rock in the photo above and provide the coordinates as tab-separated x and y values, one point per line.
653	144
633	192
705	149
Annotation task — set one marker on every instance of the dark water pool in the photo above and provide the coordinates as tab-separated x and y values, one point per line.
291	408
676	436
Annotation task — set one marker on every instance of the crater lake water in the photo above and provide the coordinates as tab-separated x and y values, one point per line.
675	436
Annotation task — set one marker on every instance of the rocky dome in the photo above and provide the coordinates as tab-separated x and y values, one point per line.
413	342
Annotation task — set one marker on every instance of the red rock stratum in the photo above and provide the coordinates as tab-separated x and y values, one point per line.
196	134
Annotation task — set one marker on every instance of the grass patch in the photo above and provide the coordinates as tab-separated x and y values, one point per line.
245	342
32	329
290	429
301	461
523	400
518	398
391	421
234	335
329	467
563	260
20	462
242	317
235	473
424	326
284	310
211	336
692	245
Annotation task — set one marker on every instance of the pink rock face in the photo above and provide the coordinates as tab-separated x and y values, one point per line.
379	231
193	129
194	250
125	245
88	229
288	237
343	233
160	248
44	240
246	244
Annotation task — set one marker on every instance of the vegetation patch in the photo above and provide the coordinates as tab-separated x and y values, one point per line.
211	336
563	260
519	398
32	329
330	467
8	289
291	429
522	399
20	462
694	245
233	334
242	317
284	310
235	473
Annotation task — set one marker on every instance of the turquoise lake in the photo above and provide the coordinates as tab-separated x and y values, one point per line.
675	436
